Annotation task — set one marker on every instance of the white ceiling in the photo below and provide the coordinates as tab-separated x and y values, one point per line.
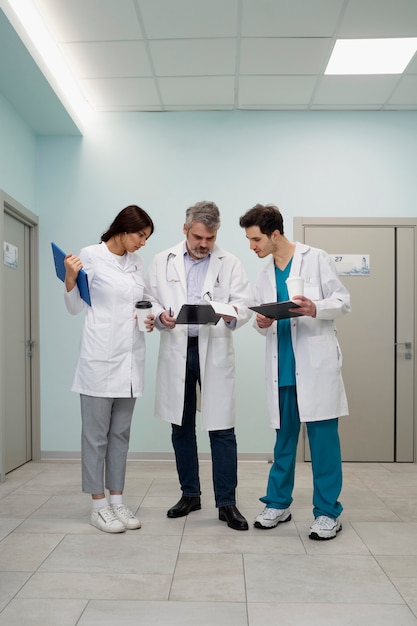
168	55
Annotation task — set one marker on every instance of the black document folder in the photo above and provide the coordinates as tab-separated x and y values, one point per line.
197	314
277	310
82	278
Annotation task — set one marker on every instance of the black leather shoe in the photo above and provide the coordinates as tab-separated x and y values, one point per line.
185	506
234	519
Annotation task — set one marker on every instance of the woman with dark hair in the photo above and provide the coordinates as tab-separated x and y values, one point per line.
110	369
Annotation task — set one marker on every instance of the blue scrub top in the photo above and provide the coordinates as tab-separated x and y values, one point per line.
286	361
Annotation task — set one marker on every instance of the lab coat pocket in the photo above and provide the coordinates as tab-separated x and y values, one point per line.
223	352
220	294
311	290
324	352
97	342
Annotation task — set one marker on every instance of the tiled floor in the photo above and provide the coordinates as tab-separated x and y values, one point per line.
57	570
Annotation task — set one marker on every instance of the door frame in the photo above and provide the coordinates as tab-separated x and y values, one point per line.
300	223
13	208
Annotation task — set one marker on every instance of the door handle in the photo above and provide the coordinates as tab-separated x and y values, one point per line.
29	344
407	344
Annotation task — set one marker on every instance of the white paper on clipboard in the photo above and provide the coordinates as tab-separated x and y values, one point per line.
222	308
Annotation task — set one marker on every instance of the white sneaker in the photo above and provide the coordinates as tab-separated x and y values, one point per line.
104	519
269	518
125	515
325	528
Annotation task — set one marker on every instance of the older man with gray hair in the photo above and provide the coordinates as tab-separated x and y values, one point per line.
199	357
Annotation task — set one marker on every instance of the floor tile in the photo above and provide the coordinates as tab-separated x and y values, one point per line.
258	542
399	566
87	585
331	615
18	506
10	584
324	579
407	587
40	613
55	568
194	613
8	525
404	508
385	538
125	553
209	577
22	552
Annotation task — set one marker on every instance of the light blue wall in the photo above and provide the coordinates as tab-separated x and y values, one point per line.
309	163
17	157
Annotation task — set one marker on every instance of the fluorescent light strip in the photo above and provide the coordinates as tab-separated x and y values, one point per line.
371	56
28	23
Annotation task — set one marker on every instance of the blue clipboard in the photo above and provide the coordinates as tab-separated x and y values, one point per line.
82	278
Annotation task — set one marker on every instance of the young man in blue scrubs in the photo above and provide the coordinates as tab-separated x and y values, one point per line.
303	370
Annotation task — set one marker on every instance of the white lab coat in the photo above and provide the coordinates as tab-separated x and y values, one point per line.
112	354
166	286
318	358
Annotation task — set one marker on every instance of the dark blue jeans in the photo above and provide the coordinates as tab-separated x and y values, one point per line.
222	443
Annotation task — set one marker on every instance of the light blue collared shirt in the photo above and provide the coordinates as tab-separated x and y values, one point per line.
195	273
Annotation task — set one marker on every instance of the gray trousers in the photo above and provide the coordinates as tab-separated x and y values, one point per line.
105	442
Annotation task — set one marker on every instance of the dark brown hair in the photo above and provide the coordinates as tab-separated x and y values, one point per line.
268	217
131	219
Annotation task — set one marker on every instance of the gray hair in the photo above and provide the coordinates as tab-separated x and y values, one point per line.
205	212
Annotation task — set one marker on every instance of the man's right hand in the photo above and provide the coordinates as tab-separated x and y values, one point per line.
167	319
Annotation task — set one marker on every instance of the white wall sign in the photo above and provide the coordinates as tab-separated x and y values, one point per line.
352	264
10	257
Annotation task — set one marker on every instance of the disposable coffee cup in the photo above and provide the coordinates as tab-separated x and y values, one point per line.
143	309
295	286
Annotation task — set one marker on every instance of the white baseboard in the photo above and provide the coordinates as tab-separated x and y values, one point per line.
56	455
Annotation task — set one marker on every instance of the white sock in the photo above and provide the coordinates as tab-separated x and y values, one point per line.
115	500
99	504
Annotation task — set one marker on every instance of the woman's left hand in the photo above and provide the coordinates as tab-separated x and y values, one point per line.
150	323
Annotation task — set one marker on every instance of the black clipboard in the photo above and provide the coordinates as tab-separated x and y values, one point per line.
82	278
277	310
197	314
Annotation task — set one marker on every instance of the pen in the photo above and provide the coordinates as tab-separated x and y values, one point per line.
170	312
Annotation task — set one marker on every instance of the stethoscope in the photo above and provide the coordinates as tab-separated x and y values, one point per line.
170	272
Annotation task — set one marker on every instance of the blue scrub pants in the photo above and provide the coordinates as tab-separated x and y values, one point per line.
326	460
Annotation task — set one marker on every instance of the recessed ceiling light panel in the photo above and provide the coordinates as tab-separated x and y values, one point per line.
371	56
